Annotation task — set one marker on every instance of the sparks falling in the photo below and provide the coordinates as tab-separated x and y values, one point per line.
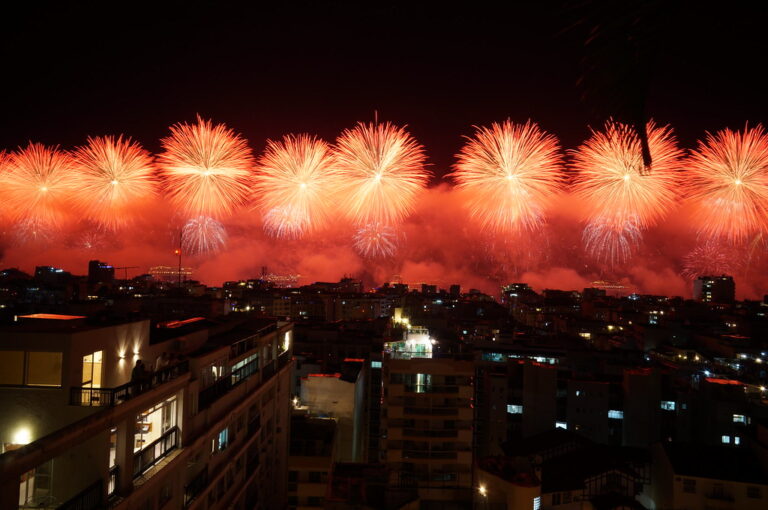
37	185
510	173
203	235
295	183
376	241
381	171
729	184
206	168
615	188
115	176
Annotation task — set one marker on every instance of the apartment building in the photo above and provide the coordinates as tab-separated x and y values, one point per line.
205	426
427	421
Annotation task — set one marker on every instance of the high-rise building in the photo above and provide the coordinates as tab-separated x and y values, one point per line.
204	425
427	421
714	289
100	272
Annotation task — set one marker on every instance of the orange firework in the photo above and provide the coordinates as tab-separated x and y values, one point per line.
381	171
510	172
729	184
115	175
621	198
294	183
206	168
36	185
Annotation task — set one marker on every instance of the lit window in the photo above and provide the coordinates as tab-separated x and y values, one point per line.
537	503
668	405
514	409
615	415
561	425
739	418
736	440
726	439
375	364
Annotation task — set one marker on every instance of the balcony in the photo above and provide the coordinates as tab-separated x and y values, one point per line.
91	498
108	397
195	487
433	411
431	433
434	455
155	451
221	387
430	388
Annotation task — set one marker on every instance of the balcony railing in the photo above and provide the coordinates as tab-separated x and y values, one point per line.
430	433
155	451
422	454
106	397
432	411
221	387
195	486
430	388
91	498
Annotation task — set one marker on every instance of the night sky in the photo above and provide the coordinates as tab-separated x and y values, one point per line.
94	68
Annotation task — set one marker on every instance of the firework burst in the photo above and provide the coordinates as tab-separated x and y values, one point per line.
510	172
709	259
729	184
376	241
115	175
203	235
381	172
36	186
206	168
611	242
294	184
621	198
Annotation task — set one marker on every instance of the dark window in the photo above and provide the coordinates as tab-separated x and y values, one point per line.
293	476
753	492
314	476
689	486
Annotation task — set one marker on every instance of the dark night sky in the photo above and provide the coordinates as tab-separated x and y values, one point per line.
117	67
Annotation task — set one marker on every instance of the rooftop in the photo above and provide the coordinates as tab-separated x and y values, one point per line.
715	462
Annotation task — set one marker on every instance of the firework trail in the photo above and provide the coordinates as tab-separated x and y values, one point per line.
294	183
36	185
710	258
620	198
376	241
729	184
203	235
510	172
381	171
206	168
115	176
611	243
